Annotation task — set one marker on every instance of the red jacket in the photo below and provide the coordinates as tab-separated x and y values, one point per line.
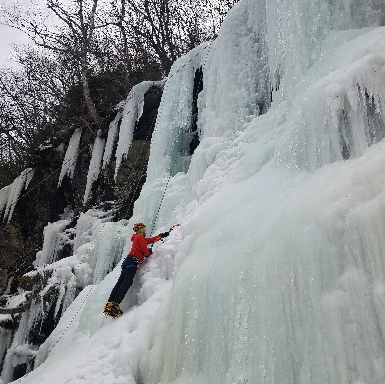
139	245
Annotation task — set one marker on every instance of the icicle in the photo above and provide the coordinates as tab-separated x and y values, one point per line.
5	341
84	227
112	135
4	194
10	194
71	156
132	112
95	163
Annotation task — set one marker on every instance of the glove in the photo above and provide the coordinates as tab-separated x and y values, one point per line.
164	234
150	250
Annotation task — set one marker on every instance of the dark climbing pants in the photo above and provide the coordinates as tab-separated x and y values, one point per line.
124	282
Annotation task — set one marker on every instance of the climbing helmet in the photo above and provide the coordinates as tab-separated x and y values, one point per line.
138	226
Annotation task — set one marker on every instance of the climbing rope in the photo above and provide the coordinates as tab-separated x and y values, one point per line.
164	191
177	154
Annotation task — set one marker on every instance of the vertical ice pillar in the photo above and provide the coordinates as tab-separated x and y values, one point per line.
95	164
10	194
112	135
18	353
132	112
71	156
235	73
174	116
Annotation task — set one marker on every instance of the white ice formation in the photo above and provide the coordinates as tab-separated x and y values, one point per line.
131	113
54	241
10	195
113	132
277	273
97	245
69	162
95	164
122	126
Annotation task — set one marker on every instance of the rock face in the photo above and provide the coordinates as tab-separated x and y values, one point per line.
43	202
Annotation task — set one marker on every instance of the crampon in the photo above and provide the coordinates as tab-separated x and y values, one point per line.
112	309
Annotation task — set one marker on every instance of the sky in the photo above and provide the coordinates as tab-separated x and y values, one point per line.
9	36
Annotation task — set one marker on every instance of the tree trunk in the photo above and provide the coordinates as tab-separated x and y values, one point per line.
93	113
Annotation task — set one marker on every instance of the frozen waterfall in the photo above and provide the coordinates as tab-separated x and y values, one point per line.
277	273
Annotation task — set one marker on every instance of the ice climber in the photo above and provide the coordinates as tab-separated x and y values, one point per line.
138	253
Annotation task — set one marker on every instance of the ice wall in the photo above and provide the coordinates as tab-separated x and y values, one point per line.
277	273
280	256
296	29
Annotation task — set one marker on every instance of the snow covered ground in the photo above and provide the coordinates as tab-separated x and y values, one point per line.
277	273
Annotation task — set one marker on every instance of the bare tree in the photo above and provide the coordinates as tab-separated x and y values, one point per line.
167	28
72	36
28	96
81	41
